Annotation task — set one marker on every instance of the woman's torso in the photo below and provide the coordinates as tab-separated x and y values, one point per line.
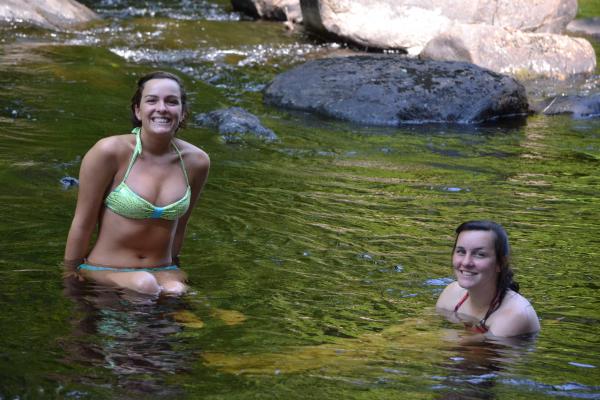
128	242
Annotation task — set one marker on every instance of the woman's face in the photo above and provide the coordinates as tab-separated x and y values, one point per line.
160	108
474	260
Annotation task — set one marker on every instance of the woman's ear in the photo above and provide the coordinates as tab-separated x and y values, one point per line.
182	120
137	112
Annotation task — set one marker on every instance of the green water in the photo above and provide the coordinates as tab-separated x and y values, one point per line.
314	261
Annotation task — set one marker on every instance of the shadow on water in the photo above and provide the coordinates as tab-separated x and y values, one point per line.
495	126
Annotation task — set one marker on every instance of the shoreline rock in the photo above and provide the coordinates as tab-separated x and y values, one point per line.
49	14
278	10
515	53
385	24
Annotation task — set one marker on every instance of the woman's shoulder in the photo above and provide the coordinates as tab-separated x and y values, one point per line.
194	156
514	301
449	296
515	317
110	150
114	145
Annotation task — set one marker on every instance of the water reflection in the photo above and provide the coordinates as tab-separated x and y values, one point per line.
454	363
134	339
478	364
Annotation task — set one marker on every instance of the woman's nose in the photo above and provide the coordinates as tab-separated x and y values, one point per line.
467	260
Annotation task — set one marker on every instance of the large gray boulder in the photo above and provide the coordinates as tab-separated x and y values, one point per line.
410	24
279	10
513	52
391	90
50	14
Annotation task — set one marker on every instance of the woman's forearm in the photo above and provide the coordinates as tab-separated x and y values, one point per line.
77	245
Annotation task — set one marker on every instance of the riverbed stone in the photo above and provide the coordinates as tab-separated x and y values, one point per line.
393	89
279	10
580	107
410	24
585	26
513	52
68	182
49	14
235	121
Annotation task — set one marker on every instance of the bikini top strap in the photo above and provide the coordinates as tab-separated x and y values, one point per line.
136	151
181	161
495	304
460	303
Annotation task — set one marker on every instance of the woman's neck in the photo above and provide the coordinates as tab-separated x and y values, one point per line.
482	297
155	144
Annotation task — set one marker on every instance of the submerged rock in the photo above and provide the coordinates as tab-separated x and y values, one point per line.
69	182
391	90
50	14
579	107
234	121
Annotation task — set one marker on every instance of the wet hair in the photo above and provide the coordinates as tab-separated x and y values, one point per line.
136	99
502	247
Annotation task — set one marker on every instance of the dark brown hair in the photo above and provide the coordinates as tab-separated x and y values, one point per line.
137	96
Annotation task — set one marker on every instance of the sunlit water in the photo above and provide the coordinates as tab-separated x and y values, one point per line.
314	260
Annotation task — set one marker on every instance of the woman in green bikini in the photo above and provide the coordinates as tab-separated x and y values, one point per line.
139	190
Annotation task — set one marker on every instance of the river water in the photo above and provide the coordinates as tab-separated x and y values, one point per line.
314	260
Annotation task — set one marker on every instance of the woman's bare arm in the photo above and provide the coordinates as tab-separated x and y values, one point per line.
198	164
97	171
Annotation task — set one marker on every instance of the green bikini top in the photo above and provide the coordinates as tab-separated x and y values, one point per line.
127	203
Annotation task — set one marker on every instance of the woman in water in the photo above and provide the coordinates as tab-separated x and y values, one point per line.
484	296
139	190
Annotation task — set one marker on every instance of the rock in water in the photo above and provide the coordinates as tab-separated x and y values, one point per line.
235	121
392	90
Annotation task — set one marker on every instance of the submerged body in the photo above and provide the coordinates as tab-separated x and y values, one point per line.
515	316
484	296
139	191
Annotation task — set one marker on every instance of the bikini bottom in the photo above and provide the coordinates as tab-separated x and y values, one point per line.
89	267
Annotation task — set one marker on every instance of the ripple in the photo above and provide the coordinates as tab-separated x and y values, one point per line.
232	57
438	281
178	10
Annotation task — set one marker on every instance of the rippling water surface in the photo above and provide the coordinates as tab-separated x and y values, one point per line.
314	260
